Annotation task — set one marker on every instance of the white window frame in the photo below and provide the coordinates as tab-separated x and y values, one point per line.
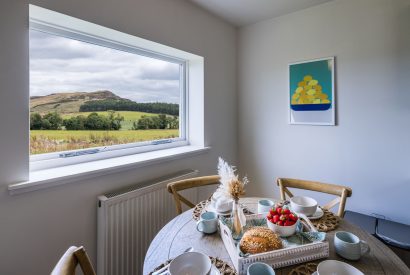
192	78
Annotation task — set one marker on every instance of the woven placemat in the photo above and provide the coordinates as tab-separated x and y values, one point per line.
305	269
328	222
223	267
198	209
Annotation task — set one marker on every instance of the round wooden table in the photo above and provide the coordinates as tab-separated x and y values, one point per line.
180	233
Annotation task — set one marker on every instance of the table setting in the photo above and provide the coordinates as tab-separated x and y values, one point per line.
232	234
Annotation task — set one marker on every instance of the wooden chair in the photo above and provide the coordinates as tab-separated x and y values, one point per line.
176	186
69	261
342	192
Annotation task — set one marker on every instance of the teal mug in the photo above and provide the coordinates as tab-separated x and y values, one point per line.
349	246
208	223
260	269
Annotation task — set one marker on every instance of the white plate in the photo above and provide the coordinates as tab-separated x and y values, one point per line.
317	215
210	208
214	271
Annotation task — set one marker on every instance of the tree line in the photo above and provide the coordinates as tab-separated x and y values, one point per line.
156	122
94	121
128	105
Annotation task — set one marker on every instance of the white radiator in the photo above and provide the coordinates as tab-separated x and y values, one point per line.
129	219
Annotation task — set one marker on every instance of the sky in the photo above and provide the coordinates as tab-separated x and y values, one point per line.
59	64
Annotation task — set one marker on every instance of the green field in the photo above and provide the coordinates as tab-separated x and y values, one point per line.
46	141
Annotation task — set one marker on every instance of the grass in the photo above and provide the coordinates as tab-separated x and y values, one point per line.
46	141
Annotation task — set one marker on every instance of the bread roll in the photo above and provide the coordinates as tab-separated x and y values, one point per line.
259	239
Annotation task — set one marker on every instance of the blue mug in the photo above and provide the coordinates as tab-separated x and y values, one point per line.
260	269
349	246
208	223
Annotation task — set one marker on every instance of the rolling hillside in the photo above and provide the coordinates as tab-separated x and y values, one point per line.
64	103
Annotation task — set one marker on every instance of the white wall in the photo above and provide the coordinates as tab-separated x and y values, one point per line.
35	228
369	148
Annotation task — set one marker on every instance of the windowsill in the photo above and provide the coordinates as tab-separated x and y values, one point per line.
71	173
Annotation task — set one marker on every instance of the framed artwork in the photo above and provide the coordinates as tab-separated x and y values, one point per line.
312	92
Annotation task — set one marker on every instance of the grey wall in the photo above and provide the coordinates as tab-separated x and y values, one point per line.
369	149
35	228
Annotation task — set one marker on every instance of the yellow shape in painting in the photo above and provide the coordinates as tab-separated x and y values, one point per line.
307	78
321	95
309	92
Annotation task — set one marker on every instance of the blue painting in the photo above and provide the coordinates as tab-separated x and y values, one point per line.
311	92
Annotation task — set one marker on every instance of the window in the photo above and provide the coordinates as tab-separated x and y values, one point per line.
97	93
84	95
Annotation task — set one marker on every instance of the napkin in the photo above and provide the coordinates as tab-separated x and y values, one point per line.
301	237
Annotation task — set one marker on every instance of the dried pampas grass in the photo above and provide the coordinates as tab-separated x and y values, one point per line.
230	185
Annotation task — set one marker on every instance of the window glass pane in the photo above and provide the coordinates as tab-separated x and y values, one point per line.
84	95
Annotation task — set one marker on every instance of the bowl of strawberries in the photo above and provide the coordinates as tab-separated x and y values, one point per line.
282	221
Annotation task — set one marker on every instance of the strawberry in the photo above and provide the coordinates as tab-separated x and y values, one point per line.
291	223
275	218
279	210
281	223
282	218
286	211
293	217
269	216
288	223
272	211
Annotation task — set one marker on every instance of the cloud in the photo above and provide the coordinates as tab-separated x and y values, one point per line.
48	46
59	64
168	71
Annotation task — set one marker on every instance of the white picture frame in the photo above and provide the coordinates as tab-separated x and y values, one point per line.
315	105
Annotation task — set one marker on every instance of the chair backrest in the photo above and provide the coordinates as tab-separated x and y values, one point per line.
342	192
69	261
176	186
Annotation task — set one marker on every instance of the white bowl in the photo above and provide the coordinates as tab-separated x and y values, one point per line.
333	267
283	231
303	205
264	206
190	263
221	203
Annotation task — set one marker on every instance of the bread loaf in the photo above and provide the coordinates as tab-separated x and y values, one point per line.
259	239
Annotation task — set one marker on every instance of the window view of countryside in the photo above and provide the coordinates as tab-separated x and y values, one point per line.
83	96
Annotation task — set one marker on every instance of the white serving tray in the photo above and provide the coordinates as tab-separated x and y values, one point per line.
277	258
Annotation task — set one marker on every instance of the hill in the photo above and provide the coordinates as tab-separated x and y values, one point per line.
68	102
75	102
